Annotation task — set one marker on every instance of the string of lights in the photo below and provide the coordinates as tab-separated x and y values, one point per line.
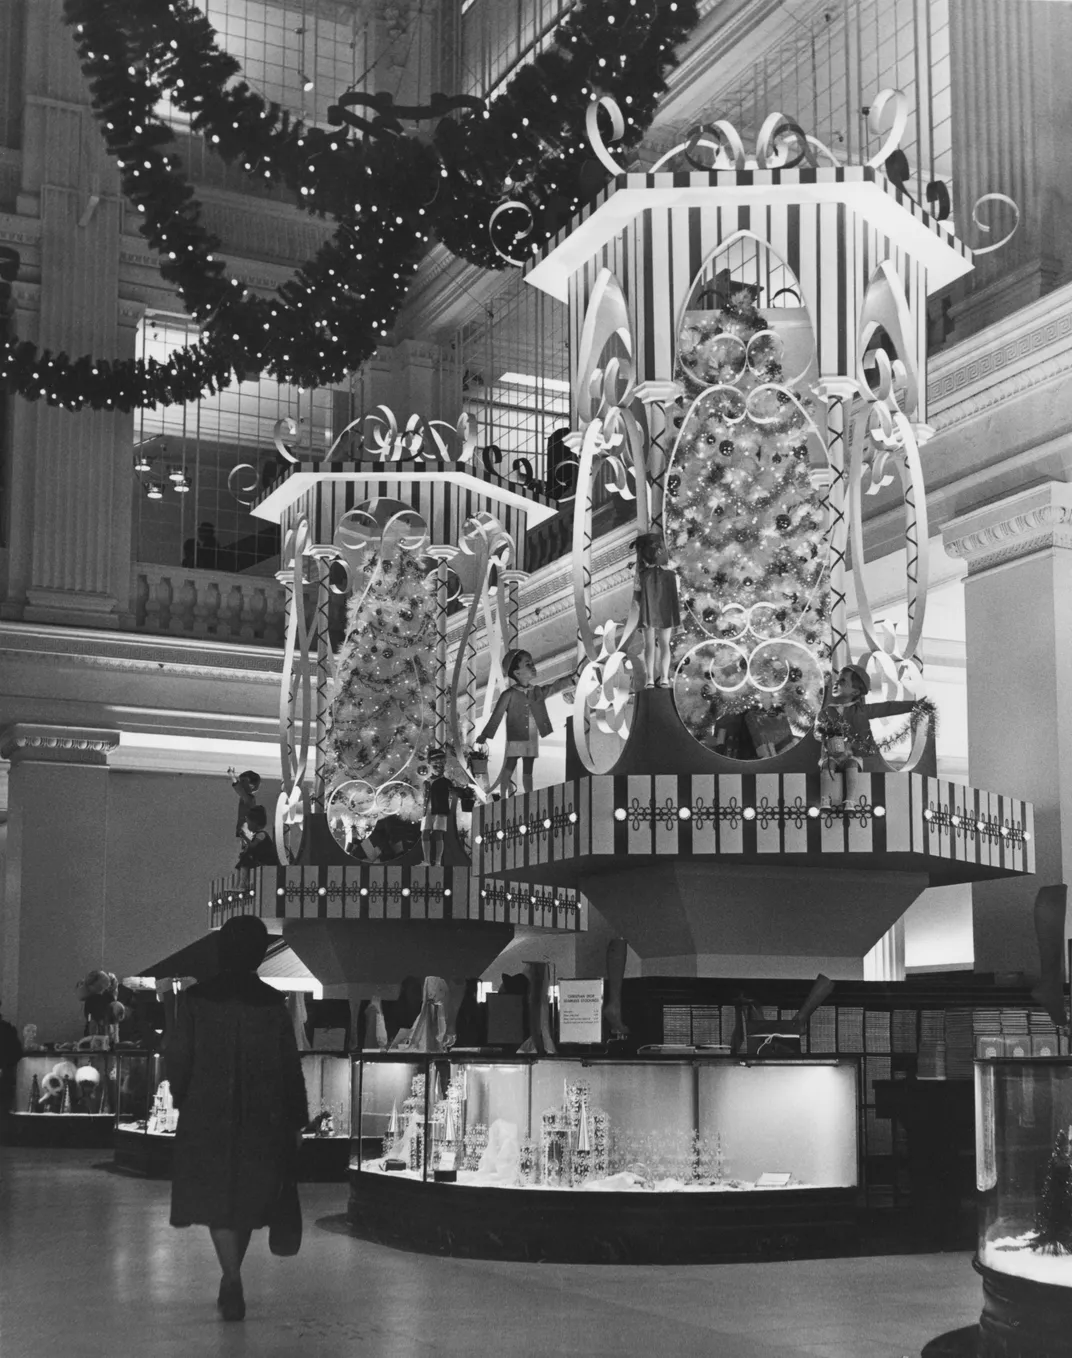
387	192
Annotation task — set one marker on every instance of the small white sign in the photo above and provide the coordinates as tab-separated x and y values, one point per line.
580	1012
773	1180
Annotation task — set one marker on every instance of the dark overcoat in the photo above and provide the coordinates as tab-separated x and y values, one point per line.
232	1063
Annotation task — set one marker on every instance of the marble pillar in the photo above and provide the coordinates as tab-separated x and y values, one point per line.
1011	108
71	491
55	896
1018	609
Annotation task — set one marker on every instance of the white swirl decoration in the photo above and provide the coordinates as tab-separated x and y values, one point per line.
612	443
485	552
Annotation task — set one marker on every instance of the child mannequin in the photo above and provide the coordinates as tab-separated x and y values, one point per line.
844	730
437	799
523	706
656	590
246	785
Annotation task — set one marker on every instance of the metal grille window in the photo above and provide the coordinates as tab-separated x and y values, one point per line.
184	512
300	53
510	367
496	37
831	59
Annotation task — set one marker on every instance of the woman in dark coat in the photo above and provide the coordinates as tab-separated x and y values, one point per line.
235	1077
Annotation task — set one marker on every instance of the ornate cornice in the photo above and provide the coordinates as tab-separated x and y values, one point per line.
1029	349
29	742
1022	525
123	652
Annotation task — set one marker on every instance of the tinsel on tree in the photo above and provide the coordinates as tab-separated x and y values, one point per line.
383	707
745	530
1053	1224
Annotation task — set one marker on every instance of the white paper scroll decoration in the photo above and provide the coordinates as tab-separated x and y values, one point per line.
611	442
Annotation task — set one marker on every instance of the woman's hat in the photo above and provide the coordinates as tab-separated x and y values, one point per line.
510	658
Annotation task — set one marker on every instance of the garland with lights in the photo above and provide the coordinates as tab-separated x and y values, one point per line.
387	192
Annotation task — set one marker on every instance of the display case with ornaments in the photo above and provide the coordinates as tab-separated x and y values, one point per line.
674	1159
325	1149
63	1097
1023	1129
146	1117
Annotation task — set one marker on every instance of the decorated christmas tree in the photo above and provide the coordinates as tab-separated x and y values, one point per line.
383	705
1053	1224
745	529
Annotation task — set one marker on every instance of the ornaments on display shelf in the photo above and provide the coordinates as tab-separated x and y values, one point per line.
745	528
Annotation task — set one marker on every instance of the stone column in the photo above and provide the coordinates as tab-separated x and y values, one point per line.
1011	107
56	882
1018	606
70	488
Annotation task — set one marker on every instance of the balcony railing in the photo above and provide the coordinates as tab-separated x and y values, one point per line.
180	602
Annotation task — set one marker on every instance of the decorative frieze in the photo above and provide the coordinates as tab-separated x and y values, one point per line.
1035	520
27	742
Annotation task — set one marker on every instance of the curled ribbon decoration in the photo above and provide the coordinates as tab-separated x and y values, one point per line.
595	137
284	429
898	101
419	440
982	226
243	482
512	205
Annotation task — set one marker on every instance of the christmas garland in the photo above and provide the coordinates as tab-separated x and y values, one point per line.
388	193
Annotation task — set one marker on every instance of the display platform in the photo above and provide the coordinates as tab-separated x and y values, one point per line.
668	1160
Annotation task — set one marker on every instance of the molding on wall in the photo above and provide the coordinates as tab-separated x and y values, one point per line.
1022	525
1030	348
97	649
32	742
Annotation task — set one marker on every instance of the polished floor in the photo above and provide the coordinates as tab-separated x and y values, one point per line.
89	1268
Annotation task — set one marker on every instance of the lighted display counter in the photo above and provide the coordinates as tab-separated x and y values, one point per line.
62	1098
666	1159
1023	1123
146	1118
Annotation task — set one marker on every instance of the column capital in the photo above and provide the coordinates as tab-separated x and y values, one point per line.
31	742
1020	525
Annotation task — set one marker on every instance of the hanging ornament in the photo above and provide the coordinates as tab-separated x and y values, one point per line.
726	447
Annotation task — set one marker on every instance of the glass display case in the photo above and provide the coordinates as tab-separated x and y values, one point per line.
1024	1167
1023	1156
63	1098
146	1117
590	1130
325	1148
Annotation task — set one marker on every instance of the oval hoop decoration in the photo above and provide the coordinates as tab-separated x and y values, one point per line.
485	551
284	429
982	226
883	434
296	710
768	154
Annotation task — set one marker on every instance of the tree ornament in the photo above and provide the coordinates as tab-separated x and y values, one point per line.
726	448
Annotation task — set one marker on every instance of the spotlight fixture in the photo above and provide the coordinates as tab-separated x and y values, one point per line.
142	463
176	474
154	491
181	486
306	81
